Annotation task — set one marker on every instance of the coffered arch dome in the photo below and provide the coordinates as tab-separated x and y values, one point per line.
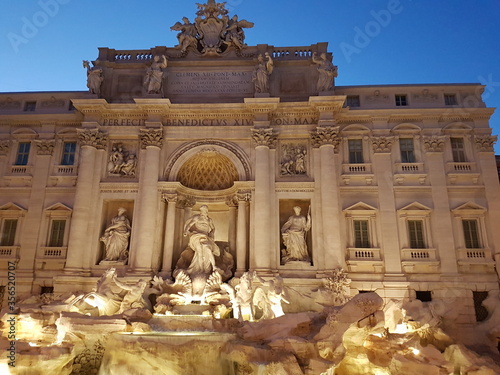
208	165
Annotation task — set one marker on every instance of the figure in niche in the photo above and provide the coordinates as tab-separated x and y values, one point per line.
201	231
294	233
235	35
154	75
116	237
94	78
262	72
327	72
187	36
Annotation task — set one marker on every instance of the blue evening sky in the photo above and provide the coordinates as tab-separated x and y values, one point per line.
43	42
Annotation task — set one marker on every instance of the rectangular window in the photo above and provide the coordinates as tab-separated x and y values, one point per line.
471	234
401	101
407	150
458	150
29	106
481	311
57	233
23	153
8	232
416	233
355	151
424	295
361	235
450	99
68	156
352	101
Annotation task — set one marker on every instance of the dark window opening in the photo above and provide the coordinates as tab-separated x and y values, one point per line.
424	295
481	312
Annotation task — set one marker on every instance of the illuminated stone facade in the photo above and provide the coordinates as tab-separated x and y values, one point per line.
399	181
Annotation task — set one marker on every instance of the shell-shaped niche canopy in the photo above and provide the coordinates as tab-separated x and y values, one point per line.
208	170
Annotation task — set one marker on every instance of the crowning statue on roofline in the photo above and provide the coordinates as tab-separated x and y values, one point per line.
212	32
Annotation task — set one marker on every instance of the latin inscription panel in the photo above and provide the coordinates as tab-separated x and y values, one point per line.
209	82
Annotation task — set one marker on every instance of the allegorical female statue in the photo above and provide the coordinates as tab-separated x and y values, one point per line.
154	75
294	236
327	72
262	72
116	237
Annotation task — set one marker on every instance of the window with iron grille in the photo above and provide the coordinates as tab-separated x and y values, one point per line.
458	150
471	234
416	234
481	311
352	101
361	234
23	153
29	106
407	149
355	151
8	232
450	99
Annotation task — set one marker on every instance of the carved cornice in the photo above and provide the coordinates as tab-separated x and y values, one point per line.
45	147
434	143
244	196
486	143
325	136
232	201
92	137
4	147
151	137
264	137
382	144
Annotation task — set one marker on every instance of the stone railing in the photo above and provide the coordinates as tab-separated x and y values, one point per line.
293	53
418	255
9	251
54	252
20	169
367	254
461	167
64	170
409	167
357	168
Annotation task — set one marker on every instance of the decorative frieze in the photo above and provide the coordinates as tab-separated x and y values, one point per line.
45	147
121	162
4	147
434	143
382	144
92	137
264	137
486	143
170	196
325	136
151	137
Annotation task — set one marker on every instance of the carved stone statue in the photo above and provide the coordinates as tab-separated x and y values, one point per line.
235	35
94	78
327	72
293	159
154	75
187	36
294	232
121	162
262	72
200	229
270	302
116	237
128	168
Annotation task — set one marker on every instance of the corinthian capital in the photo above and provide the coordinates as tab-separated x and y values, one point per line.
264	137
325	136
434	143
151	137
45	147
486	143
92	137
382	144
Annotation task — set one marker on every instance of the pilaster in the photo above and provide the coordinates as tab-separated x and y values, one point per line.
171	199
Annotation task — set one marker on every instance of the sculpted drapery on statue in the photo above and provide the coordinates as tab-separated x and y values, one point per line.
294	236
94	78
154	75
201	231
116	236
262	72
327	72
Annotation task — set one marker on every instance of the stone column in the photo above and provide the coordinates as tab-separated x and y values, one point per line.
261	258
382	163
151	141
327	140
168	247
78	243
242	233
442	222
487	162
232	204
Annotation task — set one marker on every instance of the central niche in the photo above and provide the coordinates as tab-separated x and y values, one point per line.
208	170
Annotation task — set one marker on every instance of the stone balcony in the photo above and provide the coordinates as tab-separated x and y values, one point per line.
419	260
365	260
